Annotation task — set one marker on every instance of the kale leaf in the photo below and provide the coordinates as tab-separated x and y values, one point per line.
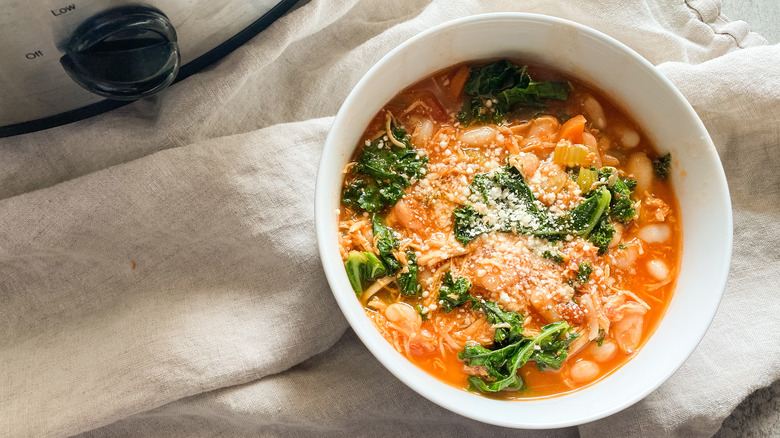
407	281
455	293
495	89
481	185
468	224
385	244
503	335
371	195
386	161
553	255
600	339
662	166
616	192
363	267
512	179
548	349
621	207
584	271
584	217
602	234
383	171
553	350
501	366
423	314
517	209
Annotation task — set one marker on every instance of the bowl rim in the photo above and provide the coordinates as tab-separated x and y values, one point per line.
433	389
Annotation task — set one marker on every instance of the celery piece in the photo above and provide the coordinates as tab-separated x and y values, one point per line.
586	178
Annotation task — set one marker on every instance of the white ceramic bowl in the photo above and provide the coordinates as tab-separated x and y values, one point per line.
654	103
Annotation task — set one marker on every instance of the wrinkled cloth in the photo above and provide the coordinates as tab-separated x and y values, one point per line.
159	273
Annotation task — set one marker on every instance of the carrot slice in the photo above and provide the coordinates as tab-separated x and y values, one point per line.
572	129
459	81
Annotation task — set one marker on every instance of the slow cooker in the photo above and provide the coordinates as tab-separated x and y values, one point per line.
65	60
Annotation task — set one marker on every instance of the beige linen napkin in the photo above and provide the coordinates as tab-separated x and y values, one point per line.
159	274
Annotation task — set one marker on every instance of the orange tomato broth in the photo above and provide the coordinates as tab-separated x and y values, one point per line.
441	102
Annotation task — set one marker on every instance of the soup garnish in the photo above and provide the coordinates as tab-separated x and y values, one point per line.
509	230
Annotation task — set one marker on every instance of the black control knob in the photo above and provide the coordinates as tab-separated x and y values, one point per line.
124	53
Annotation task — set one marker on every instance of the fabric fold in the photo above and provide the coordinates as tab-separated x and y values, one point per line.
159	273
174	274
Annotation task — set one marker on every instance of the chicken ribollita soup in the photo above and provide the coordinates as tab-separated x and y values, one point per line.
509	230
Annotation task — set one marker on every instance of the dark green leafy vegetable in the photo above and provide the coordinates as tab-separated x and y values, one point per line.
583	274
602	234
553	255
549	349
362	268
366	194
407	281
584	217
662	166
500	365
386	161
455	293
600	339
495	89
510	349
519	212
503	335
512	179
383	171
481	184
621	207
514	200
419	309
468	224
553	350
385	244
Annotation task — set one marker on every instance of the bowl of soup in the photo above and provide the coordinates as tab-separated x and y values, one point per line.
523	220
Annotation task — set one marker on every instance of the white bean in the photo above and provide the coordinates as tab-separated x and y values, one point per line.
595	112
617	236
655	233
629	138
584	371
609	160
658	269
423	133
642	169
404	317
400	312
543	126
479	136
605	352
